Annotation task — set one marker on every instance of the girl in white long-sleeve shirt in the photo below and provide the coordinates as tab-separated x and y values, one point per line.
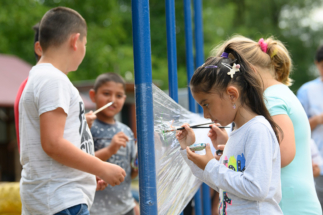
247	176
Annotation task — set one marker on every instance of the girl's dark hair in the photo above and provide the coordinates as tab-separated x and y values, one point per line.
207	78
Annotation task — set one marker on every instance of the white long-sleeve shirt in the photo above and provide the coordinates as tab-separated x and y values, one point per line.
247	176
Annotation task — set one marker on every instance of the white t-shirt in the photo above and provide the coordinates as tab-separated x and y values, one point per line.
47	186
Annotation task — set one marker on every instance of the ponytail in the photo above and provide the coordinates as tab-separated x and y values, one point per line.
276	58
280	60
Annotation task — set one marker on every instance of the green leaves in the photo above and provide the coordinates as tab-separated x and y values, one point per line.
109	22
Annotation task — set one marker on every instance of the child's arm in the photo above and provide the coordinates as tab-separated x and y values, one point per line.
118	140
186	138
287	142
134	173
134	158
315	121
254	182
52	125
197	171
316	170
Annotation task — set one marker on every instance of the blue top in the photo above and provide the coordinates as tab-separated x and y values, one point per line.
298	190
311	97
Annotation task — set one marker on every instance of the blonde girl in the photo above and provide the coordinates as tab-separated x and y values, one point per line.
270	59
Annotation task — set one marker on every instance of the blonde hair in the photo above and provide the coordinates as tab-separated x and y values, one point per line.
277	56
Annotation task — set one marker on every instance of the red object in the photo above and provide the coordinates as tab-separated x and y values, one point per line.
16	109
13	71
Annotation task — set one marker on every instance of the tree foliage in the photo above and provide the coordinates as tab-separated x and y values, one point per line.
109	45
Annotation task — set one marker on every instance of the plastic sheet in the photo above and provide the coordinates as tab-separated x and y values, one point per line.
176	185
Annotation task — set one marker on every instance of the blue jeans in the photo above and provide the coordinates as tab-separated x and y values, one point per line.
75	210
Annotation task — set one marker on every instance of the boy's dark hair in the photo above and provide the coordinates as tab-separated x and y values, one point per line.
57	24
207	78
36	39
106	77
319	54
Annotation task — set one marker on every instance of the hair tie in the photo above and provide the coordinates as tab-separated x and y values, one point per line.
210	66
225	55
263	45
274	53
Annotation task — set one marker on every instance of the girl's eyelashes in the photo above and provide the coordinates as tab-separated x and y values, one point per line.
206	105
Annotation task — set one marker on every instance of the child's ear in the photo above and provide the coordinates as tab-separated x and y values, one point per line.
233	93
92	95
73	41
38	49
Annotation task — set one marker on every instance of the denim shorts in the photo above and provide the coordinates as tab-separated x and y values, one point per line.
75	210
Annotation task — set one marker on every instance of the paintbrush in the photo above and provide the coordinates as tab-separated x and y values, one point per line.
104	107
110	138
196	126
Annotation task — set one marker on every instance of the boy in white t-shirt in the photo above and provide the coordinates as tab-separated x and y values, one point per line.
56	143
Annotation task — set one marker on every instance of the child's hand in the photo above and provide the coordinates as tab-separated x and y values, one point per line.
185	137
112	174
118	140
90	117
200	160
316	170
218	136
100	184
220	147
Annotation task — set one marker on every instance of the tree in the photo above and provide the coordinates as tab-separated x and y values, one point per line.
110	32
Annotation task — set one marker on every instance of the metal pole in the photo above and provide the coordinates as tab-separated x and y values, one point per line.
198	31
144	106
190	71
199	60
171	49
189	51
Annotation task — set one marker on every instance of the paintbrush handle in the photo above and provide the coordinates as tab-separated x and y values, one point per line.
110	138
182	128
194	127
218	127
105	106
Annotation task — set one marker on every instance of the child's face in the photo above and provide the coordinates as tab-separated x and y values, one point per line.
319	66
79	53
82	48
218	109
110	92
